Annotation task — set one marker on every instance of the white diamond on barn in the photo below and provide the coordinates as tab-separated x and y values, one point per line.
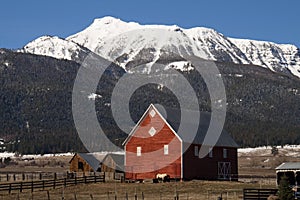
152	131
152	113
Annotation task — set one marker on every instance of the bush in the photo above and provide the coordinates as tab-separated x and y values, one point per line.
284	190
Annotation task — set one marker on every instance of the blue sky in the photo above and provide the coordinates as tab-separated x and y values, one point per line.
277	21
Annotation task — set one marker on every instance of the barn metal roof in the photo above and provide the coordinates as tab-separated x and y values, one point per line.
173	117
289	166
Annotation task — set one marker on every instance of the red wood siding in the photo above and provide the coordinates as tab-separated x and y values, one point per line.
207	168
152	160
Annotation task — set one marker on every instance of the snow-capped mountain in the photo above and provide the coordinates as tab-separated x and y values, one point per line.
56	47
277	57
127	42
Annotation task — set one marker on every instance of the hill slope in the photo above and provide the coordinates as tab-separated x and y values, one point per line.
36	96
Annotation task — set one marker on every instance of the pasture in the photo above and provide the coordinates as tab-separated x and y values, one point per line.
183	190
256	170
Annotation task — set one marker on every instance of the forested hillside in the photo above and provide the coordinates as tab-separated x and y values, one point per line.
36	103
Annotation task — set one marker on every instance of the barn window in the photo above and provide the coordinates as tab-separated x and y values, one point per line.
166	149
138	151
196	151
80	166
225	153
152	131
210	154
152	113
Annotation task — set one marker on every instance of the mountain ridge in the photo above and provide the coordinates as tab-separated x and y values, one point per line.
112	38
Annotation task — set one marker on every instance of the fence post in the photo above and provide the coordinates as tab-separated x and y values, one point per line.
43	184
48	194
31	186
75	197
92	198
84	179
21	184
63	194
65	182
95	178
23	177
142	195
9	189
54	184
75	180
14	177
7	177
41	176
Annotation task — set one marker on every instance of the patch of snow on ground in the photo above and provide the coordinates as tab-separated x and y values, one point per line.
287	150
93	96
13	155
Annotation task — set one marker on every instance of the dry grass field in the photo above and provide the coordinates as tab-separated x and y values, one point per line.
256	162
185	190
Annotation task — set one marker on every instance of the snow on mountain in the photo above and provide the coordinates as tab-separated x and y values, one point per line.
55	47
277	57
180	65
109	37
130	44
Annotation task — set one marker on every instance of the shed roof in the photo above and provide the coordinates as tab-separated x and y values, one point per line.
289	166
118	159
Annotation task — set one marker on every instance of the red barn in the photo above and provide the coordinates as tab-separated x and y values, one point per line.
154	147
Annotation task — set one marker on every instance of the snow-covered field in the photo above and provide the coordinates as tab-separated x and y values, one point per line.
14	155
287	150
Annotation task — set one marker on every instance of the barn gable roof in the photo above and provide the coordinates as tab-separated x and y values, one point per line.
173	119
141	119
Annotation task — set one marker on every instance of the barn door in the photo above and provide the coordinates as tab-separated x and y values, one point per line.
224	170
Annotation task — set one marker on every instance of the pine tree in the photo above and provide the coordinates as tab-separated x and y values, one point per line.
284	190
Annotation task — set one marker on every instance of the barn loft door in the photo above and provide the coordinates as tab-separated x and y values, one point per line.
224	170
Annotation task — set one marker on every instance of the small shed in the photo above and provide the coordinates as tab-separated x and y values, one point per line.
291	170
86	162
113	163
97	162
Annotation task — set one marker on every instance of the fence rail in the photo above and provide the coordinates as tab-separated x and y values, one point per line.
258	194
33	185
30	176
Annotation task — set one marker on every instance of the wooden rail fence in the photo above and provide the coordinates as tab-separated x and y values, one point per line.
258	194
33	185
